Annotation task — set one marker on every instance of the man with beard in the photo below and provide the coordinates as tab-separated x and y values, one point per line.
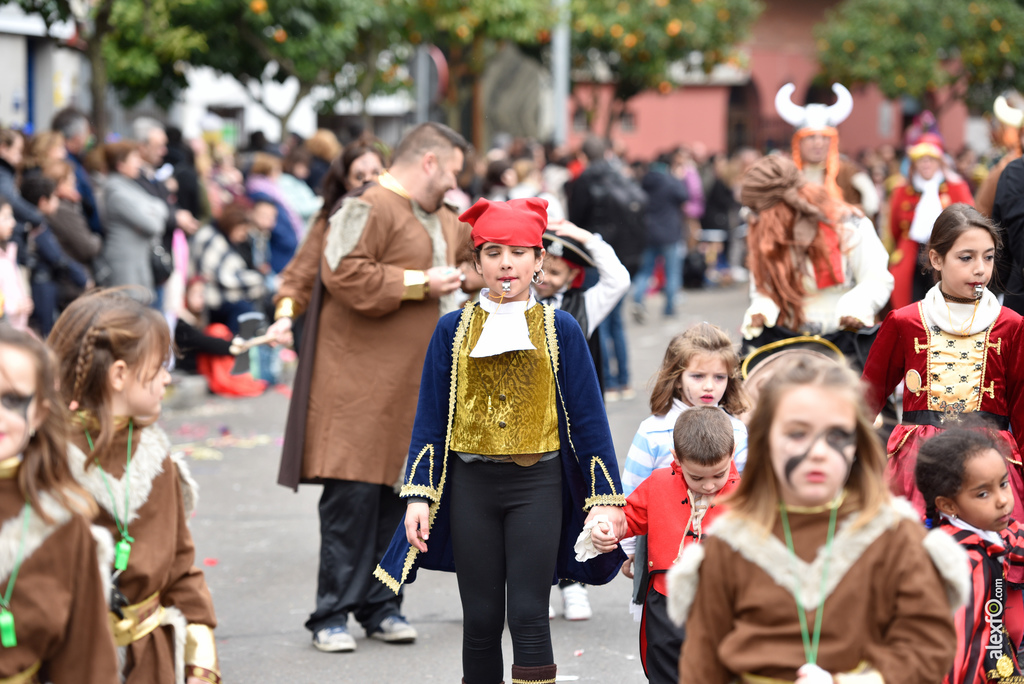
387	275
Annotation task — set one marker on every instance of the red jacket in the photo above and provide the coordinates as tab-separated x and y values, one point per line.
660	508
976	652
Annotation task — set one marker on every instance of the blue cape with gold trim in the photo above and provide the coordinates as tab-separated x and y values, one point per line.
590	473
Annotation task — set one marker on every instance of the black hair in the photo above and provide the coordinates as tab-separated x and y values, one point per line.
942	464
35	187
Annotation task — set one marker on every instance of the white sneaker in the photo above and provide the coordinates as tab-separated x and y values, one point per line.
334	640
394	629
575	603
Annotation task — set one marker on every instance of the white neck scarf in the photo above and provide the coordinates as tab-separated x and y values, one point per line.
928	208
991	536
960	319
505	329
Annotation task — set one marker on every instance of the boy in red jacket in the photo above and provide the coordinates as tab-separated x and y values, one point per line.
672	507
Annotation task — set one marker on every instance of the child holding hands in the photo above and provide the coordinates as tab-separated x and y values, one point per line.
672	507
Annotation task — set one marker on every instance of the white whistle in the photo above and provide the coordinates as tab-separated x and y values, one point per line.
506	286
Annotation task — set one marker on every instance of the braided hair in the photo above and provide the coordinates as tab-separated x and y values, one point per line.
97	330
942	464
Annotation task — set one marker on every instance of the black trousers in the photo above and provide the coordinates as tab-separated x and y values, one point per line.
357	521
664	640
506	525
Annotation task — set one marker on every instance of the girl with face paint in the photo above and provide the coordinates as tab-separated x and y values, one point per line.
815	574
53	606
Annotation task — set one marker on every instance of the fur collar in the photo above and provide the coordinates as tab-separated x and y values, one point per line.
147	463
189	487
771	555
37	533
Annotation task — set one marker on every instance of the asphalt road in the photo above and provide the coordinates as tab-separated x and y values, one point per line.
258	544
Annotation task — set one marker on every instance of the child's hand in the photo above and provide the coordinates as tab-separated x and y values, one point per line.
616	517
570	230
604	539
417	524
627	567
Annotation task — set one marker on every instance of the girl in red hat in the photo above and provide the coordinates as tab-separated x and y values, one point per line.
511	455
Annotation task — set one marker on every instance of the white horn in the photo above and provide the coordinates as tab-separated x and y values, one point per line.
841	110
791	113
1011	116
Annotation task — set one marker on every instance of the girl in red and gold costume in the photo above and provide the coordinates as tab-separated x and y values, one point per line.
960	354
913	208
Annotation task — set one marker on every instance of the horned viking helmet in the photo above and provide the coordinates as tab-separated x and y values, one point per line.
1008	114
814	116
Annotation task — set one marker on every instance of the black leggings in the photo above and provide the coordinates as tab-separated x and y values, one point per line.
506	522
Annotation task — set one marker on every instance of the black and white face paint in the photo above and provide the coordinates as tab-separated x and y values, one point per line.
841	442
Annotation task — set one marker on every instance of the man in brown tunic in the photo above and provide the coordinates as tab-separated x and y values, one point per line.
387	274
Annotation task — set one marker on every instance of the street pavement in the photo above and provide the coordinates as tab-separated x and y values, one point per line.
258	544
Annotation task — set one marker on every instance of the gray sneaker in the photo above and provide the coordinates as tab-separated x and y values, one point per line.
394	629
334	640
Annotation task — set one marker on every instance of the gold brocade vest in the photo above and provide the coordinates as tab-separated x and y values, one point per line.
506	404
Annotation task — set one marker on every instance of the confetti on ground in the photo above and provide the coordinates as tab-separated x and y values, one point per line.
206	410
210	562
284	390
578	653
208	449
192	431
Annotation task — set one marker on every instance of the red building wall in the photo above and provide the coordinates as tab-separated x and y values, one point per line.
781	50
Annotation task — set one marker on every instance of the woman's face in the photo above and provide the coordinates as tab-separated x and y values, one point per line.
131	165
365	169
14	153
813	441
927	167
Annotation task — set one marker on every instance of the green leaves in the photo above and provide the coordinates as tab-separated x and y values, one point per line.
907	47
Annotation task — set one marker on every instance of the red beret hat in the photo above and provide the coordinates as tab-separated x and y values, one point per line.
519	222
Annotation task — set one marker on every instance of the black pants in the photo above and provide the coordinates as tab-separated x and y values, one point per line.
664	640
506	525
357	521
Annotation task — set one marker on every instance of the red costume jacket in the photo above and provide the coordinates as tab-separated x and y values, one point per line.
956	375
991	600
902	206
660	508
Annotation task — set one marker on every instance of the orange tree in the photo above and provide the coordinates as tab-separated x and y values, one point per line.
908	47
643	44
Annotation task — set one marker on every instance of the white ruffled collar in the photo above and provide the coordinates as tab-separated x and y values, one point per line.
991	536
959	319
505	329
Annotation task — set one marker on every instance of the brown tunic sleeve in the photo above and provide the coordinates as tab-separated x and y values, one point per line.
86	653
710	619
186	589
370	278
299	276
919	642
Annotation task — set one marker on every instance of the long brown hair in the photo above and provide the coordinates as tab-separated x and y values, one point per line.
757	497
777	192
44	466
702	338
954	221
96	330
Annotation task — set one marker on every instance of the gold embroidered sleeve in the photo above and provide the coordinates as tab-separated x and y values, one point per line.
201	654
603	491
416	285
421	477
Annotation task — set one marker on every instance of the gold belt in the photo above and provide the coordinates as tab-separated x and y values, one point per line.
748	678
862	674
139	620
24	677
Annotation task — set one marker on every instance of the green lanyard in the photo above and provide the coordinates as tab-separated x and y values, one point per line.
7	636
810	647
123	548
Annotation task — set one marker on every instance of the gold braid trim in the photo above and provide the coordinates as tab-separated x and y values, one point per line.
25	676
422	490
902	442
533	681
410	558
